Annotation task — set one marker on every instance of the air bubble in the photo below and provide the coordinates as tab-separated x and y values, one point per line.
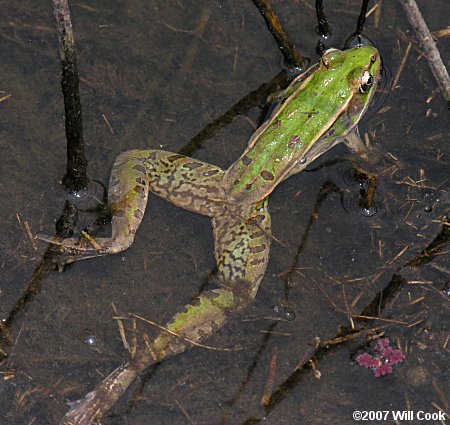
302	160
285	313
91	340
88	198
369	211
428	208
446	290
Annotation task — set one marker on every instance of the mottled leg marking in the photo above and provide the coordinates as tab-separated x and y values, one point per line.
186	182
183	181
242	246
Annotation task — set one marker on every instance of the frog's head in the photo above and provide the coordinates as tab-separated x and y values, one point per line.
361	67
365	69
363	75
362	63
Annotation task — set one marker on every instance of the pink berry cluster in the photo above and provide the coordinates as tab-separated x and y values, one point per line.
382	361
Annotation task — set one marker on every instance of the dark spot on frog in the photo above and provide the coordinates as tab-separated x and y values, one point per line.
315	93
174	158
138	214
277	124
258	248
140	181
257	234
192	165
346	120
356	105
259	219
210	173
140	168
293	141
331	132
248	186
246	160
236	182
139	190
152	156
267	175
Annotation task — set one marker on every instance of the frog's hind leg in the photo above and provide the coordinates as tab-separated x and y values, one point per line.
183	181
242	246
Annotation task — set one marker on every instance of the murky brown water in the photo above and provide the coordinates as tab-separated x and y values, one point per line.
154	74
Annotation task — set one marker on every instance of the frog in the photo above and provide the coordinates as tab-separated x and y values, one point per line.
320	108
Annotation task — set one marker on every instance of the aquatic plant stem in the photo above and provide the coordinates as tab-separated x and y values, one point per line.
290	53
323	28
428	46
76	177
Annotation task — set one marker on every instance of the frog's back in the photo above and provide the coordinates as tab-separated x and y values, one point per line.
278	146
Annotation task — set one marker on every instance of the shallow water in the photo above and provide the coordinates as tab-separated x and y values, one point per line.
154	74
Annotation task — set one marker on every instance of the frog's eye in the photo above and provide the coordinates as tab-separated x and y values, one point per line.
327	57
366	82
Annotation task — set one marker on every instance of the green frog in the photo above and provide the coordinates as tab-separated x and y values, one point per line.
320	108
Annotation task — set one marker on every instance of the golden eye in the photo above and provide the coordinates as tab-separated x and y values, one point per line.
325	62
373	58
366	81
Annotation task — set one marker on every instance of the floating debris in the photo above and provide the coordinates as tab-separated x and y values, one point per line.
382	361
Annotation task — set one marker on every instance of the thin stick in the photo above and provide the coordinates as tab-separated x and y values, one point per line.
400	68
323	28
76	176
428	46
3	98
290	53
27	229
121	329
190	341
185	413
362	17
271	378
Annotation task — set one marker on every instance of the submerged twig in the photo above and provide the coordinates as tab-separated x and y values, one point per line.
188	340
256	97
429	47
6	97
290	53
76	177
401	66
271	378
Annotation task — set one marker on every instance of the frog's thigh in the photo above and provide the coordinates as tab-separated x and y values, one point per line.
186	182
242	246
183	181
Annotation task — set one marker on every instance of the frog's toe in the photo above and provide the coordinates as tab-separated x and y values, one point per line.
69	243
66	251
73	249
